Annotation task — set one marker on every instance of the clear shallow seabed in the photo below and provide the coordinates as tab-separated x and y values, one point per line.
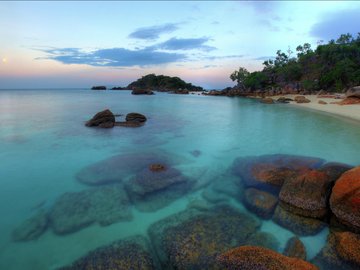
44	144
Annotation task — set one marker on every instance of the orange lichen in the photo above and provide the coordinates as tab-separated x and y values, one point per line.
348	247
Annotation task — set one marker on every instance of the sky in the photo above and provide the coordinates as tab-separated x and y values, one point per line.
69	44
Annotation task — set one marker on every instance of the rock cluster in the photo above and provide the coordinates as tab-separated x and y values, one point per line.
139	91
106	119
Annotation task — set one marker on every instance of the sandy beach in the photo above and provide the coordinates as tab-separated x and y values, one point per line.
348	111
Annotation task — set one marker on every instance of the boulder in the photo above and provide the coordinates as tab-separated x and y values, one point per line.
307	194
131	253
322	102
102	119
345	199
157	167
284	100
353	92
142	92
297	224
334	170
295	248
260	202
73	211
135	117
263	239
349	101
301	99
193	240
98	88
31	228
270	171
267	100
253	258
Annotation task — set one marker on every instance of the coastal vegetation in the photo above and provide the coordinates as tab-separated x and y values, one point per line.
334	67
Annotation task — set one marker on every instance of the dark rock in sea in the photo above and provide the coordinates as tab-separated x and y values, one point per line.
260	202
345	199
131	253
195	153
152	190
142	92
31	228
76	210
353	92
297	224
284	100
116	168
157	167
104	119
307	194
263	239
98	88
341	252
135	117
301	99
181	92
193	240
267	100
259	258
269	172
119	88
295	248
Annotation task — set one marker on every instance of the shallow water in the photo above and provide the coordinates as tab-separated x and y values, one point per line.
44	144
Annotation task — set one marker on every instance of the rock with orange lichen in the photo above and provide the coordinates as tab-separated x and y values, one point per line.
260	202
350	101
341	252
345	199
295	248
131	253
193	241
307	194
253	258
297	224
270	171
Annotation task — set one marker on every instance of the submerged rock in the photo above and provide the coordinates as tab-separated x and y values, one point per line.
307	194
295	248
116	168
192	241
31	228
270	171
76	210
263	239
142	92
103	119
341	252
253	258
297	224
131	253
345	199
260	202
151	190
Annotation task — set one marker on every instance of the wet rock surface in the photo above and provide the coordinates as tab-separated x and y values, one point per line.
260	202
297	224
75	210
142	92
345	199
131	253
192	240
31	228
250	258
295	248
104	119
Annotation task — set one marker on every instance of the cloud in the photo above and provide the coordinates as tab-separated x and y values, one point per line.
224	57
332	25
115	57
153	32
262	6
174	44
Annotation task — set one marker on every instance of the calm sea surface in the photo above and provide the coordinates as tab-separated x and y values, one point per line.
44	145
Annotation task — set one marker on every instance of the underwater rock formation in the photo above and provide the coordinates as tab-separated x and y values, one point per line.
116	168
263	239
192	240
76	210
31	228
151	190
260	202
131	253
269	172
297	224
295	248
345	199
251	258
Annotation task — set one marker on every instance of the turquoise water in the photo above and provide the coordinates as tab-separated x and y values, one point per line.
44	144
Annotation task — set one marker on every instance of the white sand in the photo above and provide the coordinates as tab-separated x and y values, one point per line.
348	111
